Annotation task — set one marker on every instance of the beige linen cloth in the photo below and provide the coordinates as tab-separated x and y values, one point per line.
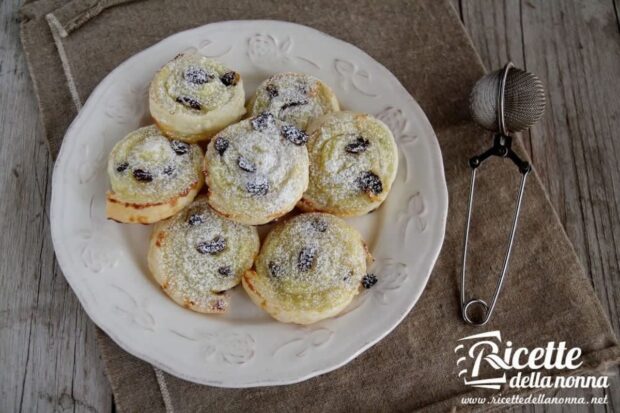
72	45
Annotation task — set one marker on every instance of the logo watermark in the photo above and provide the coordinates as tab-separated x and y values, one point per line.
478	351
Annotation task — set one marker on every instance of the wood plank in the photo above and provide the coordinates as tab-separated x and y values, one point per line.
47	347
495	29
574	46
575	49
48	354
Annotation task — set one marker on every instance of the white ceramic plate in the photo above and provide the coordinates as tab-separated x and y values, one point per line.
105	262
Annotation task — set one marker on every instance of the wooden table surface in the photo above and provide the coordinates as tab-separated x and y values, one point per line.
49	359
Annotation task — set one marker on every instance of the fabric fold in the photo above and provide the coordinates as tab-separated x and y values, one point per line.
73	14
546	296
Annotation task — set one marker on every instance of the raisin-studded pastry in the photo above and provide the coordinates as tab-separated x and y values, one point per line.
309	268
197	255
295	98
256	170
193	97
152	177
353	163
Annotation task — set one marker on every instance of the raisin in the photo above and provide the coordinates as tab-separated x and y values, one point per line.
274	269
212	247
358	146
263	122
180	148
169	170
319	225
369	182
294	135
196	76
189	102
272	91
306	258
221	144
142	175
195	219
348	276
121	167
225	271
257	187
369	280
246	164
230	78
292	105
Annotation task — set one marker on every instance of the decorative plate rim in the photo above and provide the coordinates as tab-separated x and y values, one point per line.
64	260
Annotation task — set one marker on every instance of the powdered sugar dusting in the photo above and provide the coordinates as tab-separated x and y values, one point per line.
292	97
145	166
259	173
193	84
320	259
198	275
345	150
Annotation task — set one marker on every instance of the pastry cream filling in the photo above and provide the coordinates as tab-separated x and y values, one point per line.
172	84
269	158
275	161
334	171
148	154
337	266
195	274
291	97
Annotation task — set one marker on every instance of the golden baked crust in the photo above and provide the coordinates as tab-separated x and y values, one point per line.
196	256
256	170
295	98
151	177
193	97
353	163
134	213
309	268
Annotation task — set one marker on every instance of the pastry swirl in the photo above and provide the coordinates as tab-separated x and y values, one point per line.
295	98
353	163
193	97
256	170
309	268
152	177
197	255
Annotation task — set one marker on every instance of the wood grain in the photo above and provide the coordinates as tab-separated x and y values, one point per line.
48	356
49	359
574	47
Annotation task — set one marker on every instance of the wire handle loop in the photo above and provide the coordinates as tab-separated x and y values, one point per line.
524	168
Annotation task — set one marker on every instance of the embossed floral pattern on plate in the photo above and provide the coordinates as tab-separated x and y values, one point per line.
105	262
